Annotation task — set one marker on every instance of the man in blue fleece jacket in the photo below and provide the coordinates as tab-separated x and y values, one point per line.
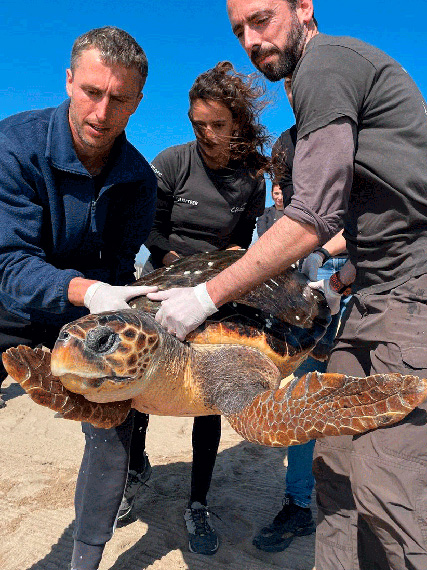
77	200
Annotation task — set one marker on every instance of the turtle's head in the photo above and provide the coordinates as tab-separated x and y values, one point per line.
106	357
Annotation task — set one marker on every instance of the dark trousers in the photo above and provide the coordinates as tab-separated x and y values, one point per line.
99	490
102	478
372	489
205	439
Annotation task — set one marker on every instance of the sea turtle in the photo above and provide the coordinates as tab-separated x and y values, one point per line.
233	365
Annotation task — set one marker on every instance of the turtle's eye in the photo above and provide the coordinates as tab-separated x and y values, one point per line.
102	340
64	336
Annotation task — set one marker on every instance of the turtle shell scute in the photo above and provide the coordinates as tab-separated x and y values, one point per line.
285	311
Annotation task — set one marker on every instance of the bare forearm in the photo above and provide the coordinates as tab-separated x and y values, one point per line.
283	244
336	245
77	289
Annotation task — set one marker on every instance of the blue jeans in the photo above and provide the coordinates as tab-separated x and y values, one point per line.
299	475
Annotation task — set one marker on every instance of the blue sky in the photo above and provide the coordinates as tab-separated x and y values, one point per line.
181	38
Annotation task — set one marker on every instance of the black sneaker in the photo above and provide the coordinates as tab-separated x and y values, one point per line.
202	538
291	521
134	482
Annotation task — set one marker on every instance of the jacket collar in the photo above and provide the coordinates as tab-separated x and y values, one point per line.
125	163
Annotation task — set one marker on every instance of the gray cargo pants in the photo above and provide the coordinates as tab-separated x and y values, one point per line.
372	489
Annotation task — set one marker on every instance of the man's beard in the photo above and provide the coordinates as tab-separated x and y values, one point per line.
288	57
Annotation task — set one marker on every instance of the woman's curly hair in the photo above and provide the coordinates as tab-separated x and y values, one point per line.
241	94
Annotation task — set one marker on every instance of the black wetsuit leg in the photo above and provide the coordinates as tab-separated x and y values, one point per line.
206	437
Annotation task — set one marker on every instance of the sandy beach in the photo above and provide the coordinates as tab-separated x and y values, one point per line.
41	455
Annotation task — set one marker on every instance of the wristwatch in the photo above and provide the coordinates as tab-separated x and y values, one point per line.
338	286
324	252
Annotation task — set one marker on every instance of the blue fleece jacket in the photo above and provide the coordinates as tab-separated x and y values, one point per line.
58	222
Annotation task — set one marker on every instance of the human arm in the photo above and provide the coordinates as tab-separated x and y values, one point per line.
29	282
282	245
183	309
322	183
336	245
77	290
282	155
320	255
130	215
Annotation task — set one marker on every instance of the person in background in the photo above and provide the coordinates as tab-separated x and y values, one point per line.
360	161
272	213
210	192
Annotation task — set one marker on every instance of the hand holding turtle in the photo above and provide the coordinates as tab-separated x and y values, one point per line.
101	297
333	298
183	308
311	264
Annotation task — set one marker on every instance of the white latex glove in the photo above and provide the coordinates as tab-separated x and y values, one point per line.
183	308
102	297
332	297
310	265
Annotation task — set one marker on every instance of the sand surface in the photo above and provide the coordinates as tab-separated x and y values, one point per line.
41	455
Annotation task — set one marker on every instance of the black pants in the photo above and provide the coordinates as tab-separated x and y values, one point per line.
99	490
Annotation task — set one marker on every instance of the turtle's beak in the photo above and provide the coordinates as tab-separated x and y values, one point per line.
83	356
80	360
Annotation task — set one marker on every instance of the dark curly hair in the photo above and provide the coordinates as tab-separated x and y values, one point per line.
241	94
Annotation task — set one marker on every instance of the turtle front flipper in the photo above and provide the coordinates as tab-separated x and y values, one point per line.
318	405
31	369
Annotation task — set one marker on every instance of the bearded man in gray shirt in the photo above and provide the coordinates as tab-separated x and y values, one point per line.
360	161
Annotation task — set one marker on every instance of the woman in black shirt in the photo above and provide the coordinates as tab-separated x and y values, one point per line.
210	192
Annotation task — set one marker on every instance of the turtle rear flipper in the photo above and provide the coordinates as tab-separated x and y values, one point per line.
31	369
318	405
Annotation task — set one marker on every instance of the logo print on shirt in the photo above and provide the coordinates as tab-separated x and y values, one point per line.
185	201
154	169
236	209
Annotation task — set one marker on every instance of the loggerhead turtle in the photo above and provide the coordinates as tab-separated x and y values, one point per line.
232	365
